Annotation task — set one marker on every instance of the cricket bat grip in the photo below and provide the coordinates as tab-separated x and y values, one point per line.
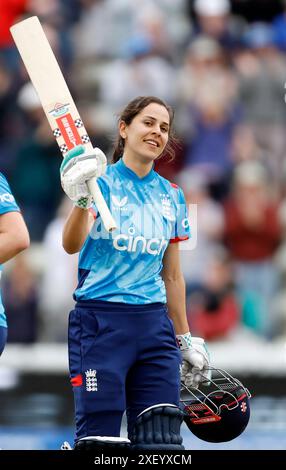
107	219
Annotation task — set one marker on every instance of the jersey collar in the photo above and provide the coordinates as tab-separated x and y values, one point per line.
128	173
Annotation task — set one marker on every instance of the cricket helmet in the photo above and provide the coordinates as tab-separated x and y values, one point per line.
218	410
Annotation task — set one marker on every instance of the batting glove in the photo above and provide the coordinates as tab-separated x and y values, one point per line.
77	168
195	360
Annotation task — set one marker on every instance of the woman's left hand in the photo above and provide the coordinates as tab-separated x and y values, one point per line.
195	360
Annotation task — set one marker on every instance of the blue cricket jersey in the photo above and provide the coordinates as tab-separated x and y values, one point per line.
7	204
125	265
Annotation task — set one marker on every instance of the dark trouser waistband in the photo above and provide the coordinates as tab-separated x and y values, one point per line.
119	307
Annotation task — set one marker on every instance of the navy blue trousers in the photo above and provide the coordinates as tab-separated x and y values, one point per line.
121	357
3	338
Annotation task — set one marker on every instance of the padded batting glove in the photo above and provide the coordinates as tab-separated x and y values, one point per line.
195	360
77	168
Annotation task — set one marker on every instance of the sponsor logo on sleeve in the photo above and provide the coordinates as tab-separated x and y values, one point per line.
7	197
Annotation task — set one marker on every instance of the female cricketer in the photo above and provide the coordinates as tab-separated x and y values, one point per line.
128	332
14	238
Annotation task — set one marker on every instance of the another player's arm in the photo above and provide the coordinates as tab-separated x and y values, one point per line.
14	236
175	288
76	230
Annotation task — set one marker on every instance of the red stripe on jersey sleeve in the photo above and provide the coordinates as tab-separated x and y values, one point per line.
179	239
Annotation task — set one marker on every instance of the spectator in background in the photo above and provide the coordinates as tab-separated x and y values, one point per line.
29	107
204	60
10	122
213	309
211	118
252	235
10	13
210	226
36	168
53	17
141	72
21	302
166	24
261	70
59	279
279	302
106	25
245	147
214	20
279	28
210	149
211	303
126	48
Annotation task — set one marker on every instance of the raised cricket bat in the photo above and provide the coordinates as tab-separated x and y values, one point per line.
57	102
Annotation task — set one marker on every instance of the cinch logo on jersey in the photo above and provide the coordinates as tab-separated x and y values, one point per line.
153	246
7	197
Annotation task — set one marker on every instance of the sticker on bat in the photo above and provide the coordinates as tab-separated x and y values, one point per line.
59	109
69	131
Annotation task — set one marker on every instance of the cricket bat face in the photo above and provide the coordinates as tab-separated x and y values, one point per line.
56	99
50	84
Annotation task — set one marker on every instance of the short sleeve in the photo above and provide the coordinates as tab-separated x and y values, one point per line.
181	230
7	200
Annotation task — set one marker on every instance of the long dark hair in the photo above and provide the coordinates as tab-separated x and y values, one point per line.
128	114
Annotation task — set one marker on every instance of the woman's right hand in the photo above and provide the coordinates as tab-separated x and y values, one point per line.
77	168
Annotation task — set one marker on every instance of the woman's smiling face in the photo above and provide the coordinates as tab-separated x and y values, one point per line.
147	135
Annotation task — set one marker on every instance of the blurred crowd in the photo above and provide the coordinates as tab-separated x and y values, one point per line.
223	69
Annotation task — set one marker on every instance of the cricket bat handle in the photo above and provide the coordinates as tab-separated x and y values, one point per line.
107	219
